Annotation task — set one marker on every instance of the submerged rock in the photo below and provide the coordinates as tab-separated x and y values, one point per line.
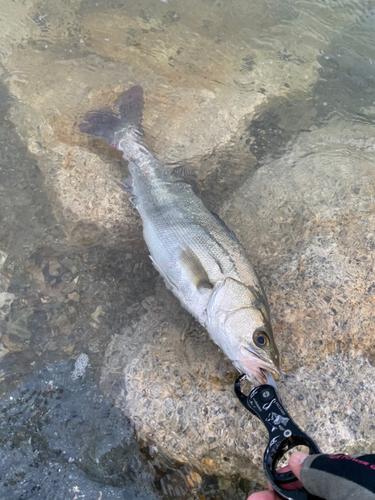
177	390
307	218
61	439
311	213
312	217
201	75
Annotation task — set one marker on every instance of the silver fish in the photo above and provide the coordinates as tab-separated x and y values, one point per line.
200	259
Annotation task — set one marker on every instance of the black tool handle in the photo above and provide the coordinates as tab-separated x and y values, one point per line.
284	435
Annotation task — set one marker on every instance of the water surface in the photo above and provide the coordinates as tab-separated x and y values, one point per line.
243	91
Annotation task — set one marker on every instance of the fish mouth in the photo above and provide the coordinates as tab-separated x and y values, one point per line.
256	366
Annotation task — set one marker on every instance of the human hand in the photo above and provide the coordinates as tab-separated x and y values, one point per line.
295	464
330	477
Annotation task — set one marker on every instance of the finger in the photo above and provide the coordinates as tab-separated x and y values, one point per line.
263	495
296	461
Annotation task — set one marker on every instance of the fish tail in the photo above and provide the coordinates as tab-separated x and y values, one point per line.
125	113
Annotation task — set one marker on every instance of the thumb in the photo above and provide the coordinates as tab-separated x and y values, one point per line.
296	461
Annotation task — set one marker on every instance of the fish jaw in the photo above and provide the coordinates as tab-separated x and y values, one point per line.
254	366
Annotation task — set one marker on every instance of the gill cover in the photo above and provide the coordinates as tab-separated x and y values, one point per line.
238	321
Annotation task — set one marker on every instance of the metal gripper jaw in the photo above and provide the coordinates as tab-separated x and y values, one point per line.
284	434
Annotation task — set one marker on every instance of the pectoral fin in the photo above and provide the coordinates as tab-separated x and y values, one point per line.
194	269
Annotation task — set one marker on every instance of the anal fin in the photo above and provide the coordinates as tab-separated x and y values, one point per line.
168	282
126	185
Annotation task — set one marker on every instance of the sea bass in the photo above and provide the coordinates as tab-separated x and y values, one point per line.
200	259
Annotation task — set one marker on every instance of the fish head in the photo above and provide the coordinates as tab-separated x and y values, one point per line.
258	352
238	321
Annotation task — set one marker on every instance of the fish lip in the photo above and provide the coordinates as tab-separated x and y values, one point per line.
258	372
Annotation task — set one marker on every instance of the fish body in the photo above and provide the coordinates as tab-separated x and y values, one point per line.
199	258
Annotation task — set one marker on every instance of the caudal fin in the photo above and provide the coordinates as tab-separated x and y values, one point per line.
126	112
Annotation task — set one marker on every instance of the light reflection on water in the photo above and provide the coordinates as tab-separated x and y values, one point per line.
230	87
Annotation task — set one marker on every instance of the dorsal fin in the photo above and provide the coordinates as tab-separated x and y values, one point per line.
225	227
186	173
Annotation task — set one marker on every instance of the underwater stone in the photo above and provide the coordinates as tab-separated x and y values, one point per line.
318	274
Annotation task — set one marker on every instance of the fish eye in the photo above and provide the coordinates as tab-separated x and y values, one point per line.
261	339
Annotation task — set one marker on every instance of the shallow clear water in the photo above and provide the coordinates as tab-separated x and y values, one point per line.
236	89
